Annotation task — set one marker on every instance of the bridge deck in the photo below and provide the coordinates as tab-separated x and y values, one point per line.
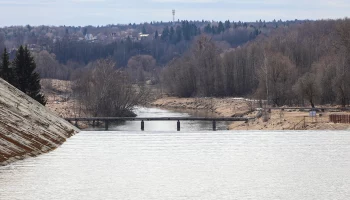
158	119
106	120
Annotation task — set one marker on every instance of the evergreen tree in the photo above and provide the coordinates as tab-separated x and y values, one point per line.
227	24
156	35
144	30
214	29
178	34
6	72
221	27
208	29
245	25
186	30
28	81
171	34
165	33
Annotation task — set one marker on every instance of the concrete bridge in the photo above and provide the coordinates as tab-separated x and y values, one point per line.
96	120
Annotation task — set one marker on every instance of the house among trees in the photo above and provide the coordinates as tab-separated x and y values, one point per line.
90	37
142	35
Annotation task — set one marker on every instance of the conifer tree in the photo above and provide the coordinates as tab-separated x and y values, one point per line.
171	33
156	35
6	72
221	27
227	24
144	30
208	29
28	81
165	33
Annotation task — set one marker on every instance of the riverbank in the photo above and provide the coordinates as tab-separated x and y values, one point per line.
287	119
26	127
61	101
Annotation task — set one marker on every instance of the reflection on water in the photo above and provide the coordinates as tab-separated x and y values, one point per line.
186	165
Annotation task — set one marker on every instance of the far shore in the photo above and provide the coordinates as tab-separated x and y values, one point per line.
61	101
287	119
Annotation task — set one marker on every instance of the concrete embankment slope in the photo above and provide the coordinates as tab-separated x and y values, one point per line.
26	127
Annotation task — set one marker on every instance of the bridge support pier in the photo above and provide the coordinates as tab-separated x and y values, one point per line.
214	125
76	123
142	125
106	125
178	125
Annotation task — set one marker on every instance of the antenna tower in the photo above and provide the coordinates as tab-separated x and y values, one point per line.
173	16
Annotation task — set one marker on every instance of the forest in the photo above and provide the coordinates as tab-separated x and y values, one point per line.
283	62
302	64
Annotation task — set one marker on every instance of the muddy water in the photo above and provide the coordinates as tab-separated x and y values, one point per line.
196	163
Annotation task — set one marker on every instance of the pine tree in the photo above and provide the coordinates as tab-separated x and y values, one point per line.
19	69
208	29
6	72
171	33
178	34
221	27
144	30
28	81
227	24
156	35
165	33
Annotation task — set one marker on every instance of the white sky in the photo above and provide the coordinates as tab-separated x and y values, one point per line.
102	12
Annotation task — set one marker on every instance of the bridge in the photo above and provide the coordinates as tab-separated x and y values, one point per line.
107	120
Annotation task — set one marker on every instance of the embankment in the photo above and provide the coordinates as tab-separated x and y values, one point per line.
26	127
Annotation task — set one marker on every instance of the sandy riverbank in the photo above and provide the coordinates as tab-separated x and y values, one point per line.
278	120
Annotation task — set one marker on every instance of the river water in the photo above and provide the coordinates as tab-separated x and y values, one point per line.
195	163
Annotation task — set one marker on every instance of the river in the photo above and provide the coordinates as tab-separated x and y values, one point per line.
195	163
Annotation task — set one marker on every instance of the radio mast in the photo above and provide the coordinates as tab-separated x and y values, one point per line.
173	17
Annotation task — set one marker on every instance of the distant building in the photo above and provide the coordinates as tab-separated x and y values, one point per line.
90	37
141	35
34	47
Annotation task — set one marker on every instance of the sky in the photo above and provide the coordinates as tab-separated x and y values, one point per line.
103	12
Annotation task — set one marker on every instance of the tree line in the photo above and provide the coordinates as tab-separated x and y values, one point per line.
295	65
21	73
166	41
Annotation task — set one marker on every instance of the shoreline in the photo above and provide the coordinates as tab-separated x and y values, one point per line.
287	119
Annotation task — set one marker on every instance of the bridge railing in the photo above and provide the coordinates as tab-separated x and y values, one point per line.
108	120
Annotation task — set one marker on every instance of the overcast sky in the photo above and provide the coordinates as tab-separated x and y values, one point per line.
102	12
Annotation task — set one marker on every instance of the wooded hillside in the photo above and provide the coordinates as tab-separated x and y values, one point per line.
286	63
309	61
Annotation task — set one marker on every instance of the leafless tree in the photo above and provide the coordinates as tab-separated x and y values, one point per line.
141	67
104	91
307	88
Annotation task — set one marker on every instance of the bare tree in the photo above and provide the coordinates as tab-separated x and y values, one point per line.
48	66
307	88
141	67
104	91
